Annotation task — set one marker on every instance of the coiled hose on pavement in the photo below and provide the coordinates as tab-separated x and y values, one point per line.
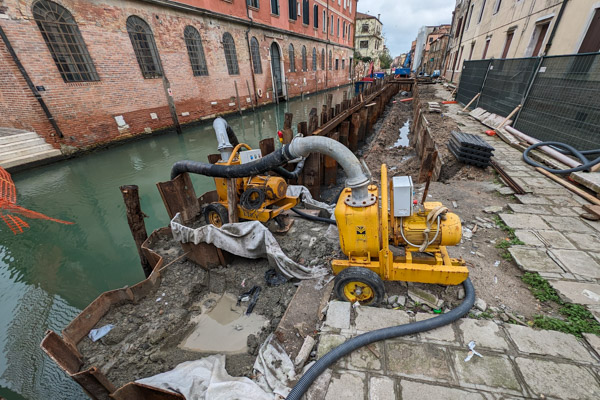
381	334
564	148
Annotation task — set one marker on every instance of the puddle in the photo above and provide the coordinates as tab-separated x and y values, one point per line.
222	327
403	139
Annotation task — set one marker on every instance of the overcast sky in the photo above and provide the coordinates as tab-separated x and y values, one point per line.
402	19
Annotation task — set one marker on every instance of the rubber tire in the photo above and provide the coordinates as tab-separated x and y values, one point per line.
359	274
220	209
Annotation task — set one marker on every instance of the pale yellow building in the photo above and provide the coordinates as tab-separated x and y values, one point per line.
368	40
483	29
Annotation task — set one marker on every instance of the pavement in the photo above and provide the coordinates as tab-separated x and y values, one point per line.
516	362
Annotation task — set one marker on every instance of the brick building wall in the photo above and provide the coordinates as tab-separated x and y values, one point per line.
86	111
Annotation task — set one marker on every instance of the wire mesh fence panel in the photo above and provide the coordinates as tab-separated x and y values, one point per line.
506	83
563	104
471	79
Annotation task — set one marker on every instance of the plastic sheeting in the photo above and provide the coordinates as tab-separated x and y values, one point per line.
249	239
299	190
207	379
276	369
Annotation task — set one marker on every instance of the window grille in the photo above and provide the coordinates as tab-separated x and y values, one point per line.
255	51
292	59
144	47
323	59
304	67
314	59
193	42
365	28
64	41
330	58
230	54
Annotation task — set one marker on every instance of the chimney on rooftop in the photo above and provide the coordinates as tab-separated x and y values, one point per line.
378	15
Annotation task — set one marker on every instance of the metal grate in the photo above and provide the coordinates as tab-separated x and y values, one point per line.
314	59
304	66
144	47
506	83
255	51
64	40
562	104
230	54
292	58
471	79
323	59
193	42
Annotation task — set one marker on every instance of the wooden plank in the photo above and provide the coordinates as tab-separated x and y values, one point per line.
344	132
353	132
362	131
135	219
267	146
287	132
324	115
311	174
179	196
570	186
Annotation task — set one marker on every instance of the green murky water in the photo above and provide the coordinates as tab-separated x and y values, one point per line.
52	271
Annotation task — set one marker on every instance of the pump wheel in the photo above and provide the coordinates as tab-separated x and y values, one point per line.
216	214
359	284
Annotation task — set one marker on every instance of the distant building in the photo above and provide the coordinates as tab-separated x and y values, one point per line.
421	43
484	29
111	69
368	41
435	48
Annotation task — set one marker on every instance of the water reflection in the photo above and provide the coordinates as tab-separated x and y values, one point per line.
51	272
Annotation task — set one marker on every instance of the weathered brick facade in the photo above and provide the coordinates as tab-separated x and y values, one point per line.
86	111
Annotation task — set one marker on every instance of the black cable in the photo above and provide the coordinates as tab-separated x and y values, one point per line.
314	218
251	202
381	334
564	149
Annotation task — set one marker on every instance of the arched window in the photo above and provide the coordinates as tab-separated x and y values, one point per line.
305	12
255	51
230	54
292	59
304	66
193	42
62	36
144	47
314	59
316	16
330	57
323	59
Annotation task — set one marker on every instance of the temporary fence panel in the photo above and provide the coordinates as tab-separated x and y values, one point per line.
563	104
506	83
471	79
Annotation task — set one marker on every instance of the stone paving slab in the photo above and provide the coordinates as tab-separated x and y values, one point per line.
423	391
578	262
529	209
422	361
485	333
558	380
552	343
567	224
442	334
532	199
349	385
490	372
338	314
594	341
529	238
369	318
585	241
524	221
381	388
550	239
578	292
368	358
588	179
534	259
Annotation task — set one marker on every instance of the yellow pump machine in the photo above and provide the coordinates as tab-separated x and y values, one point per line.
368	231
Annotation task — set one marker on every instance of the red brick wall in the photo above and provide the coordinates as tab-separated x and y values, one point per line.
85	111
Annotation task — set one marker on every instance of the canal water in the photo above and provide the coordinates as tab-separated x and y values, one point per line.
52	271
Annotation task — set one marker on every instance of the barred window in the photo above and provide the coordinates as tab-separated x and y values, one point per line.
305	12
314	59
230	55
330	58
64	41
304	67
144	47
323	59
255	51
292	59
316	16
193	42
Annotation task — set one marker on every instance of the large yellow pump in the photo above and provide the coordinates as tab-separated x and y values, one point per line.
382	246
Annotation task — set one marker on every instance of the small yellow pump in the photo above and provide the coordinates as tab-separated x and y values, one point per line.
370	236
260	198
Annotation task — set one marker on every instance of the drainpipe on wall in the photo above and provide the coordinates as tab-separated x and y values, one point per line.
326	50
255	100
30	84
558	18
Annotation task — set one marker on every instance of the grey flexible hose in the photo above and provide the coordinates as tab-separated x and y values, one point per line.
564	148
381	334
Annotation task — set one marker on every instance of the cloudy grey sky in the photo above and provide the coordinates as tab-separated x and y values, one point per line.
402	18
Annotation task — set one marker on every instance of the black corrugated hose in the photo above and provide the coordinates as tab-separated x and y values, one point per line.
564	148
381	334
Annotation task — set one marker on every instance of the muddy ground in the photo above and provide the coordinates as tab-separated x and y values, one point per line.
147	337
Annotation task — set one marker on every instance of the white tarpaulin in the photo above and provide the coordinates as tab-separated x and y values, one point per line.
207	379
297	190
276	369
249	239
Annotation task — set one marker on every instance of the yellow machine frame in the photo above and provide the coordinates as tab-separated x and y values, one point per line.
439	269
263	214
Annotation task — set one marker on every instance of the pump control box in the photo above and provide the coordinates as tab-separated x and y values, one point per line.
403	196
250	155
